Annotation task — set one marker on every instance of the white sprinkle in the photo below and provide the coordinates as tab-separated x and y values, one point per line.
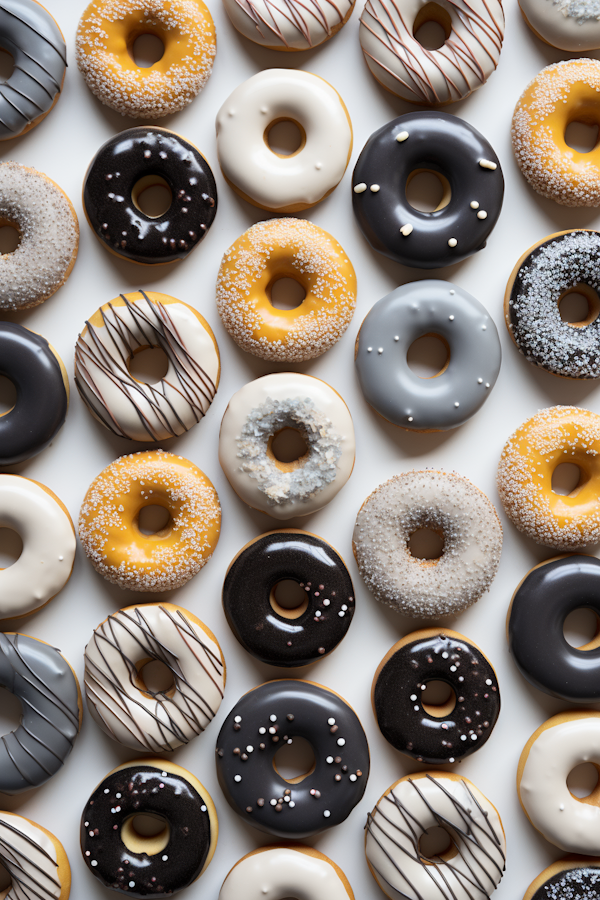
482	214
106	791
237	719
318	613
326	813
344	607
202	808
86	824
329	759
445	654
237	778
249	748
451	759
273	802
326	602
94	862
473	737
341	614
452	293
452	242
272	718
487	384
457	404
262	730
375	188
484	327
406	229
402	136
561	807
451	318
369	349
352	777
480	381
318	166
272	730
331	721
453	668
380	349
424	686
360	188
163	774
396	337
463	737
410	419
292	804
474	204
165	857
413	697
118	796
487	164
416	708
341	742
488	681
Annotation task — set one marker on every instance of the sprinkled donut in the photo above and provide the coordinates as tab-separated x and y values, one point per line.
288	24
109	529
572	25
256	414
445	503
457	392
104	43
35	860
287	871
470	174
556	435
570	877
286	248
108	343
250	737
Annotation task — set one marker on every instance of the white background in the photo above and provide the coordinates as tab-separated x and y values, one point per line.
62	146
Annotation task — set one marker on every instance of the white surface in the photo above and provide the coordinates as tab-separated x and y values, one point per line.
62	146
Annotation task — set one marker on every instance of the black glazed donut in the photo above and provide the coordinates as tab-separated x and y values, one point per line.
437	142
463	724
259	724
108	195
253	614
41	384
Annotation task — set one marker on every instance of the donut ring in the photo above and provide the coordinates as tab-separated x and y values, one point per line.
575	875
289	870
108	521
454	508
286	248
566	25
34	858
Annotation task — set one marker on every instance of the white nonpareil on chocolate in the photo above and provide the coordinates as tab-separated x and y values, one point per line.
31	859
278	872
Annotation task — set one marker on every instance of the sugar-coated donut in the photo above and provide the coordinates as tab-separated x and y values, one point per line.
109	530
158	865
279	711
288	24
292	870
286	248
284	184
259	411
473	864
573	876
104	43
108	343
117	696
445	503
559	434
35	860
566	24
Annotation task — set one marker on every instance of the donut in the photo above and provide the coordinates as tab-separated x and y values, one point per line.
34	858
286	870
288	637
256	414
451	397
126	406
261	176
283	710
286	248
48	691
109	530
444	733
562	92
470	174
138	865
555	435
574	876
445	503
288	24
474	32
104	43
122	169
566	25
472	865
44	217
42	393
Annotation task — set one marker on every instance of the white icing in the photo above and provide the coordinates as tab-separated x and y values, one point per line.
572	25
31	859
289	24
277	873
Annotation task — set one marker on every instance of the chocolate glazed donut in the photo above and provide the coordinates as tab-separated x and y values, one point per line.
288	637
473	190
111	188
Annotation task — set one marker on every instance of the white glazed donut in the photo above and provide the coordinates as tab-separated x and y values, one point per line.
45	527
572	25
35	860
260	410
116	694
298	871
288	24
262	177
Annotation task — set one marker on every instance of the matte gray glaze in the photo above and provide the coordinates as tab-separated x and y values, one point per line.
394	323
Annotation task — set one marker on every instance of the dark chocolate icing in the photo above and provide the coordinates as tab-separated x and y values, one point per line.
441	143
107	195
258	725
317	568
580	881
399	711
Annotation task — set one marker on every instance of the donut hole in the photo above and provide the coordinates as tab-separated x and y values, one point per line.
581	136
285	293
145	833
8	395
437	843
288	448
579	306
5	881
428	356
11	547
146	49
285	137
568	479
152	195
10	238
149	365
438	699
7	67
432	26
154	520
426	544
11	711
581	628
295	760
288	599
582	781
427	190
154	677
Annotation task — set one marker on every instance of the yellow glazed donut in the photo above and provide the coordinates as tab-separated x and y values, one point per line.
556	435
109	521
286	248
106	34
562	93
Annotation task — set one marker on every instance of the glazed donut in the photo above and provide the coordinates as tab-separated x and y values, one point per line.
556	435
435	734
470	174
474	32
249	739
298	870
108	343
160	865
445	503
286	248
456	393
288	24
561	93
47	688
108	521
288	637
35	860
122	169
116	694
575	876
48	230
42	388
104	43
258	412
473	864
264	178
566	24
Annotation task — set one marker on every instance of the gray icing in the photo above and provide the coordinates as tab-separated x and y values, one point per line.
42	680
394	323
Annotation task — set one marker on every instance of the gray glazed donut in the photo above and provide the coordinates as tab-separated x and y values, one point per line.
394	323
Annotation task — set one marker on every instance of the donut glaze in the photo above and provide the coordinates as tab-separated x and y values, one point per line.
288	24
297	871
261	626
35	860
575	877
109	195
566	24
439	143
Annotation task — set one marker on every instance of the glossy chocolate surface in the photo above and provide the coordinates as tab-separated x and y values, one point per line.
580	881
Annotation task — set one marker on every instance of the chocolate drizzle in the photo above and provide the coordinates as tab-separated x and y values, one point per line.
298	16
33	871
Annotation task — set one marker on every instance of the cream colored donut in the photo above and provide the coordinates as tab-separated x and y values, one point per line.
572	25
288	24
295	871
35	860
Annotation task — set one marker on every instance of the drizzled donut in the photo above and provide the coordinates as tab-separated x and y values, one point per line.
35	860
288	871
288	24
